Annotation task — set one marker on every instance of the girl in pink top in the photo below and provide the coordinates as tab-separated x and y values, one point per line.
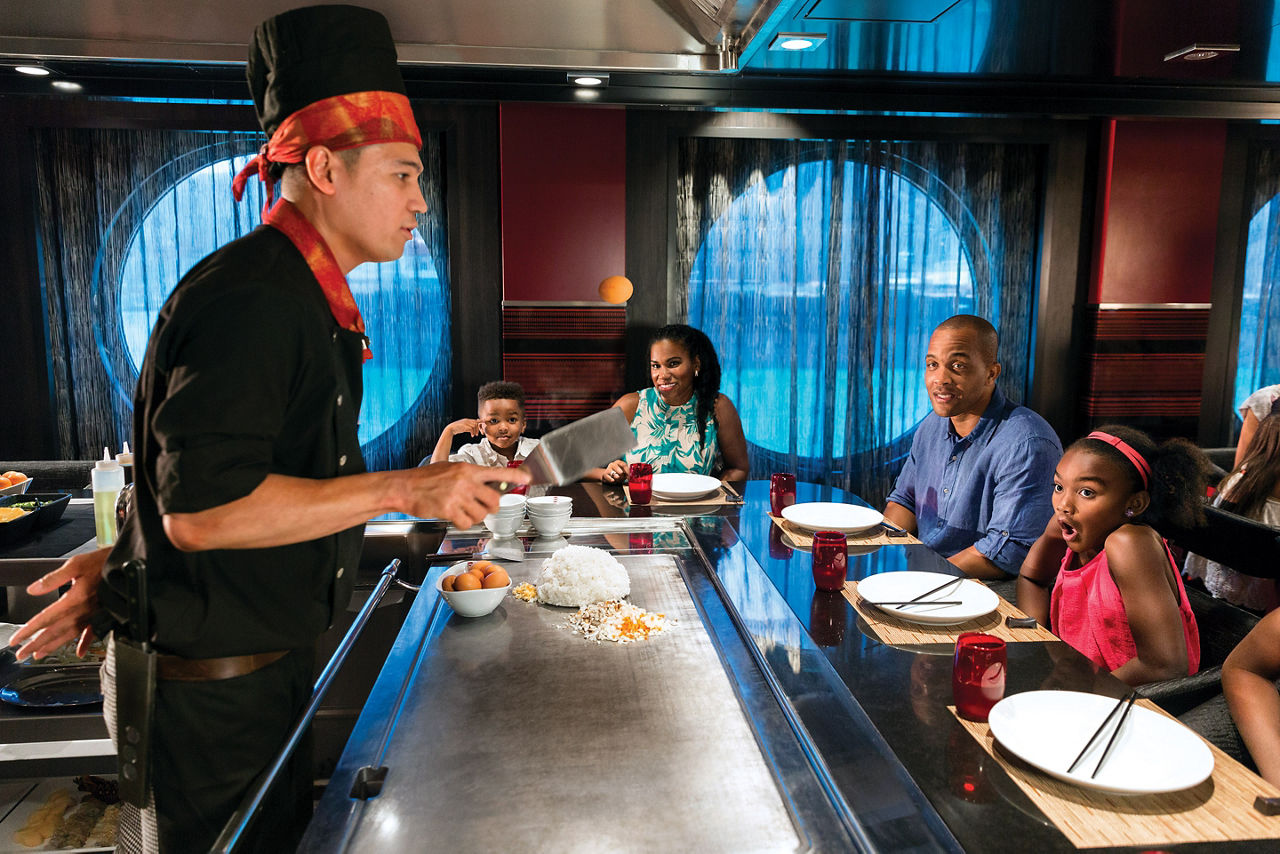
1116	595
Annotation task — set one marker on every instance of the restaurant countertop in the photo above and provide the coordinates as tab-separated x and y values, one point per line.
874	718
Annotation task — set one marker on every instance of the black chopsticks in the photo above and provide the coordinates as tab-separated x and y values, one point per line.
1127	702
915	602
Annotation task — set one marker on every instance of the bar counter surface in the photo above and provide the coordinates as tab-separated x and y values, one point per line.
855	733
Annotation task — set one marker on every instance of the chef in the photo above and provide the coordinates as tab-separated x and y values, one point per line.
251	492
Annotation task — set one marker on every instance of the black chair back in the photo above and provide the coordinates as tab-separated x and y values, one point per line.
1232	540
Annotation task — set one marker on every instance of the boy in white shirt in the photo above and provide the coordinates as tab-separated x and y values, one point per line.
501	419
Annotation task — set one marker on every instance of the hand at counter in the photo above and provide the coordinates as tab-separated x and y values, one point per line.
284	510
69	616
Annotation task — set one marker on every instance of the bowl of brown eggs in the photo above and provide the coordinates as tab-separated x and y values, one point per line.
474	588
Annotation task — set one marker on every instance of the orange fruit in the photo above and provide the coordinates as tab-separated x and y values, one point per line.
5	482
447	582
15	477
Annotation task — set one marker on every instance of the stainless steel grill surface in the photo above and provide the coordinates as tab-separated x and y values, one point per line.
512	733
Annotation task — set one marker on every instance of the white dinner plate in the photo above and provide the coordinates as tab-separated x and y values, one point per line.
1152	754
976	599
677	486
829	516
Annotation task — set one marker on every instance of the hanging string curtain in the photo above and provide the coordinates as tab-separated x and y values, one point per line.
819	268
1258	357
123	214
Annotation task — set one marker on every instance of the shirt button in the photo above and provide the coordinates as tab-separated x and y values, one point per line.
946	492
1004	533
953	458
333	336
339	400
340	571
342	460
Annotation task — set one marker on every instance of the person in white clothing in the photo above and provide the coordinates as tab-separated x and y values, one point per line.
501	421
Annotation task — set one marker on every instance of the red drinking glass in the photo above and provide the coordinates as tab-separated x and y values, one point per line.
977	674
830	560
782	492
640	482
522	488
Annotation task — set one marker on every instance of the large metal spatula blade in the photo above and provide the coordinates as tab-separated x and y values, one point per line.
567	453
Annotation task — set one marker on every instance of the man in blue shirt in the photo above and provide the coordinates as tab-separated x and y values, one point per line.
977	484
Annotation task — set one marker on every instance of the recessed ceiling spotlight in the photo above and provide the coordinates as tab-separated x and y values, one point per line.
66	85
1200	52
597	79
33	70
797	41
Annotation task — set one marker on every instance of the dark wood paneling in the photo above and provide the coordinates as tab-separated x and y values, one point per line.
1217	411
1145	368
1064	276
568	358
472	191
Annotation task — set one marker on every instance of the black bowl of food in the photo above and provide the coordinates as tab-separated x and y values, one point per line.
48	506
15	522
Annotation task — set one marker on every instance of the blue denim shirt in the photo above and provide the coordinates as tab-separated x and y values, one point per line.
991	489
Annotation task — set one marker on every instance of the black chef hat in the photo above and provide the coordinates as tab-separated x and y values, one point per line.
316	52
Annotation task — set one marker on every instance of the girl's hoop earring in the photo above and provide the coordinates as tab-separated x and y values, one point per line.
695	372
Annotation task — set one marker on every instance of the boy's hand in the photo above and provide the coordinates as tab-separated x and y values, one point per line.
465	425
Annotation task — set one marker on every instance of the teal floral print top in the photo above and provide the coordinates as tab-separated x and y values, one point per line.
667	436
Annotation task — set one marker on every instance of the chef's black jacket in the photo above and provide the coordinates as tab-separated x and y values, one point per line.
246	374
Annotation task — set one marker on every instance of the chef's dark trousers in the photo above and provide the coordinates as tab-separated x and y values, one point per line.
211	740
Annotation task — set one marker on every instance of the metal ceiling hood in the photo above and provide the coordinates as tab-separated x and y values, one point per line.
638	35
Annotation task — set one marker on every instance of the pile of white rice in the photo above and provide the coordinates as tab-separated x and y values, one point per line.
580	575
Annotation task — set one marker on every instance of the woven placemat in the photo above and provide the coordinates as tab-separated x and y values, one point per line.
875	537
1218	810
895	630
720	497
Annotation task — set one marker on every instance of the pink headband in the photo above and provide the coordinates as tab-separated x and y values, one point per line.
1139	462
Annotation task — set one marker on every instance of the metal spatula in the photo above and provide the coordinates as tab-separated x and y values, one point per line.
567	453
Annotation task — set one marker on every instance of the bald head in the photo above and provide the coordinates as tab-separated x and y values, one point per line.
984	334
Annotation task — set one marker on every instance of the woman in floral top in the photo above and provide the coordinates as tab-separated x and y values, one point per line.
682	423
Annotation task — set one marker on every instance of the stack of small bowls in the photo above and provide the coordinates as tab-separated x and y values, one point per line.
508	519
550	513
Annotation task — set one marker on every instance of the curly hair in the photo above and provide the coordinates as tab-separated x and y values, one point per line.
1259	471
500	390
706	384
1179	474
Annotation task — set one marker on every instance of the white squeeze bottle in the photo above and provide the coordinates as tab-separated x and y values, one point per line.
107	478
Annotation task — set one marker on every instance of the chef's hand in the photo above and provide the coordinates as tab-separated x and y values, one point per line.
464	425
460	492
69	616
615	472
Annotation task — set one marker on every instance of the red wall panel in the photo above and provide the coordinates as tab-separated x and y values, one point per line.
563	200
1161	212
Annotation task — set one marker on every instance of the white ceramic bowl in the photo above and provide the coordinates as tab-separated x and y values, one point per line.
470	603
549	505
511	504
503	526
549	526
17	489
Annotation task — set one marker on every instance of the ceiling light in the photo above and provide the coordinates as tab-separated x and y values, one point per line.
588	78
1200	52
66	85
797	41
33	70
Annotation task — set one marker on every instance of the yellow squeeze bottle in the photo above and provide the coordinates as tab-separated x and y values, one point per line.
107	479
